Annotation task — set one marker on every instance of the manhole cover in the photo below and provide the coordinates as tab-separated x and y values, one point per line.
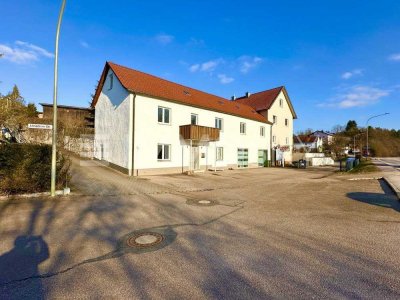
198	202
204	202
144	239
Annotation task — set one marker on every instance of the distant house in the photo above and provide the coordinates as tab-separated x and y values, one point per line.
79	115
326	137
307	143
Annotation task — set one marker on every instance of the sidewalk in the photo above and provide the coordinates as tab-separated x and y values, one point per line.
394	183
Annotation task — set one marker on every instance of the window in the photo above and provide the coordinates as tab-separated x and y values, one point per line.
287	141
274	138
242	128
111	81
262	130
164	115
275	119
286	122
220	153
163	151
218	123
193	119
280	102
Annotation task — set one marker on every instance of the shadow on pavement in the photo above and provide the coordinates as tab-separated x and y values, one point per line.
23	261
387	199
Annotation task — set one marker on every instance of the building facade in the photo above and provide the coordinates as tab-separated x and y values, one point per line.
147	125
276	106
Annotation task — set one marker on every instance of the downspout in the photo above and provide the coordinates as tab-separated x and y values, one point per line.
132	131
270	143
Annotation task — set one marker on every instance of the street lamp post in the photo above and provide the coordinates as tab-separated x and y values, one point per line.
54	135
367	129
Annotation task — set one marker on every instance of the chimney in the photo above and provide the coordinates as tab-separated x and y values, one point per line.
233	98
248	94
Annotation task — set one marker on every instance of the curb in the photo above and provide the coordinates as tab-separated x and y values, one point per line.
393	187
32	195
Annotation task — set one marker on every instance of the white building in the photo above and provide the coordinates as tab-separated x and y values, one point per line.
308	143
276	106
148	125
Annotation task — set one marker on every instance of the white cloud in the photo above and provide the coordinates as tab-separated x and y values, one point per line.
23	52
224	79
350	74
164	39
207	66
84	44
248	63
395	57
194	68
356	96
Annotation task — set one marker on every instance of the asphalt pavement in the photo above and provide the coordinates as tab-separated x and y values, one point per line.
264	233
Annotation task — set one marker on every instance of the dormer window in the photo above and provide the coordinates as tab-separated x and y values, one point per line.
111	81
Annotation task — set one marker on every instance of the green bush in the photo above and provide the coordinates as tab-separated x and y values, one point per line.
26	168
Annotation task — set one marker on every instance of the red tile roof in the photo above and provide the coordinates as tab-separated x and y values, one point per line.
305	139
263	100
146	84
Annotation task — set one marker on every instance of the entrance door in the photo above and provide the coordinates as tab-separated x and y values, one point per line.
196	158
243	157
262	157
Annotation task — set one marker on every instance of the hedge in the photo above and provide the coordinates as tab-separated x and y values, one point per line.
26	168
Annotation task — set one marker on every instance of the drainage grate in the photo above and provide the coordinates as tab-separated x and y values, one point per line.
144	240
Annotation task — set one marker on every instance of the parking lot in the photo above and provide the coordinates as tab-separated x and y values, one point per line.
255	233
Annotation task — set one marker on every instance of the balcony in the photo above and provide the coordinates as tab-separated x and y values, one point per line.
199	133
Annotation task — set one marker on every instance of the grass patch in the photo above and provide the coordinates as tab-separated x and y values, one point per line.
365	166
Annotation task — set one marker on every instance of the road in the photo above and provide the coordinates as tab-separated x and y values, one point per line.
388	164
269	233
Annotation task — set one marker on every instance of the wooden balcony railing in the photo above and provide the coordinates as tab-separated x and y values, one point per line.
199	133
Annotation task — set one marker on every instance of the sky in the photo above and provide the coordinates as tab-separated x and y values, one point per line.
339	60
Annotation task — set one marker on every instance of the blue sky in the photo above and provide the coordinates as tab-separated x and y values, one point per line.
339	60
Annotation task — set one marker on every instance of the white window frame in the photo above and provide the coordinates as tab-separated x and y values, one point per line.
244	128
219	154
222	123
197	119
287	122
163	147
281	102
275	120
262	131
163	115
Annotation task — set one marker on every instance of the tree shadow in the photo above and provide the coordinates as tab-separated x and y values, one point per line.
386	199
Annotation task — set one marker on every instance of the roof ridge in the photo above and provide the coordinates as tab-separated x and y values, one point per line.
184	86
275	88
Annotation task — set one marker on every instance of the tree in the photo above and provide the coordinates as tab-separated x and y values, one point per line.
338	145
31	110
13	112
351	126
337	129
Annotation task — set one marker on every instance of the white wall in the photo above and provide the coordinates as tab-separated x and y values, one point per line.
112	124
148	133
280	130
